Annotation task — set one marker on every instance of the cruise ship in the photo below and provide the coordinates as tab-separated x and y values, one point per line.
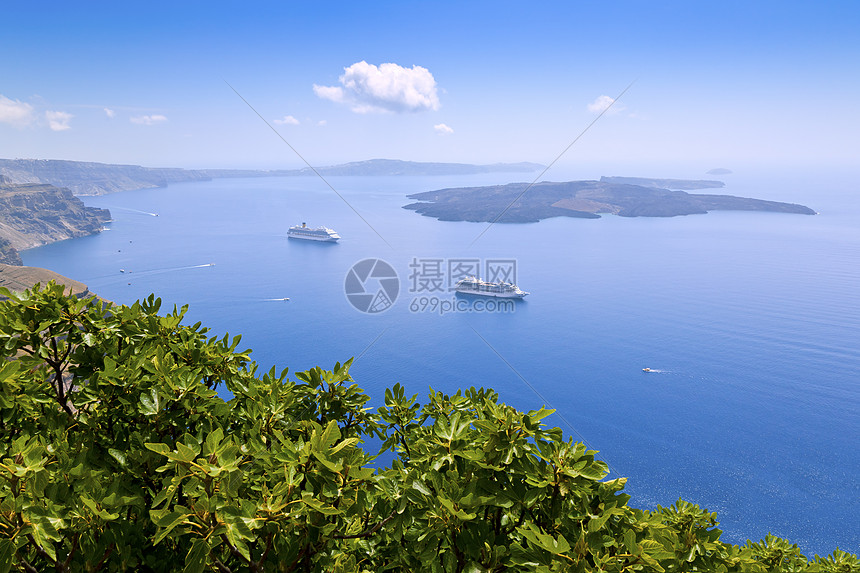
472	285
319	234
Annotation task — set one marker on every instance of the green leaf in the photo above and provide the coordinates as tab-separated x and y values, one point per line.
118	456
7	552
150	403
195	561
162	449
167	522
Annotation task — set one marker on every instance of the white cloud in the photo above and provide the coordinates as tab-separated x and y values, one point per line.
321	122
110	113
332	93
15	112
443	129
288	120
58	120
602	103
147	119
388	87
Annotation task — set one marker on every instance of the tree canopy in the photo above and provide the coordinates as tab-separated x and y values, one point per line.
118	454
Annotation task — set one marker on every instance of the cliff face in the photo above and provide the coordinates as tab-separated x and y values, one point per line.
17	279
85	178
33	215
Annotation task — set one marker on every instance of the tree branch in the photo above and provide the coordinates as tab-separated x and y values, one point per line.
104	558
235	552
368	532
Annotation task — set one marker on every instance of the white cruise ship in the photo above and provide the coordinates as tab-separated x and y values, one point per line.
319	234
472	285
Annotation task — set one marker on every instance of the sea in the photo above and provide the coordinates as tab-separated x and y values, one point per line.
749	321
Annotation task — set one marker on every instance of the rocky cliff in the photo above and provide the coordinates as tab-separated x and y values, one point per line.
17	279
85	178
36	214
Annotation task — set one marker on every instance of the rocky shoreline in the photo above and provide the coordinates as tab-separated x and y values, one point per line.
35	214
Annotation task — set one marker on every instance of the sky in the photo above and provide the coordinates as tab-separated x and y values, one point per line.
207	84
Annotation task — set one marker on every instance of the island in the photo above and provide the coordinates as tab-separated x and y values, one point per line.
522	203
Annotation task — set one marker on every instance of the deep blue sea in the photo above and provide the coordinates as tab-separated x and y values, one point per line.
752	321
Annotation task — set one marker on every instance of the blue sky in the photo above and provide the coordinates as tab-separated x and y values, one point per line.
714	83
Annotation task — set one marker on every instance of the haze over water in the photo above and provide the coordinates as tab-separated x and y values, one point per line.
751	321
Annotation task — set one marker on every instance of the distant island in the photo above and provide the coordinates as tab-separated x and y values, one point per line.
87	178
623	196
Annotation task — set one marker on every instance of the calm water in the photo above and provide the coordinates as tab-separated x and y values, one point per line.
752	319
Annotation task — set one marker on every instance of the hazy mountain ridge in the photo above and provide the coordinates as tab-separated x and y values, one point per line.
88	178
677	184
519	203
396	167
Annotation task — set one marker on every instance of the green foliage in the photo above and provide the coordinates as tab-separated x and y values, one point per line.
119	455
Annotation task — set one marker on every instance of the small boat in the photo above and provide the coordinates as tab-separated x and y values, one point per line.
647	370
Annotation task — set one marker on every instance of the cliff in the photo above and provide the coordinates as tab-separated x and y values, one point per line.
85	178
35	214
17	279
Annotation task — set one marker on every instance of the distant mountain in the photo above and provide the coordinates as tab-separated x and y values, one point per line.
517	203
720	171
86	178
682	184
394	167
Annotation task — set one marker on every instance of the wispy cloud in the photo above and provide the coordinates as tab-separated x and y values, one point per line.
388	87
147	119
287	120
58	120
321	122
443	129
602	103
110	113
15	112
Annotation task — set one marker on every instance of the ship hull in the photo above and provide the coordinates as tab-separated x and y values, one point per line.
492	294
319	239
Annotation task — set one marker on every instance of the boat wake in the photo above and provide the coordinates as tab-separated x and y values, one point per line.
130	210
